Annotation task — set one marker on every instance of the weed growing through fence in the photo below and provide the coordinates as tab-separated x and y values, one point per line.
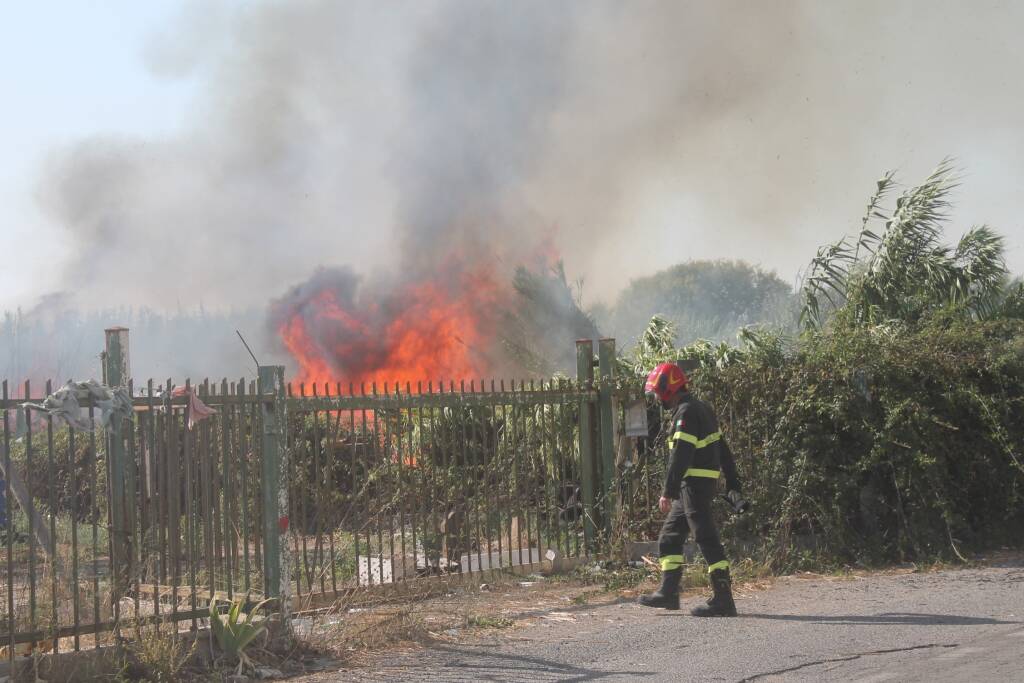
159	653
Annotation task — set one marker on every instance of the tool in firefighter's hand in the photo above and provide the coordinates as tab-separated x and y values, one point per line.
736	500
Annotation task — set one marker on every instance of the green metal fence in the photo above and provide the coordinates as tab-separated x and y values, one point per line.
89	545
305	493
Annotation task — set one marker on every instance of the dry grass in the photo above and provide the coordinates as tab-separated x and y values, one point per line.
160	654
353	630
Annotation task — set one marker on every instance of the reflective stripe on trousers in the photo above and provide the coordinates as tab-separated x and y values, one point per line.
671	562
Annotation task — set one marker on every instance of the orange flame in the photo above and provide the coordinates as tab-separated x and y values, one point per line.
432	329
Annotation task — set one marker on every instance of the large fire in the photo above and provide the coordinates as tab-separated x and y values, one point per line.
431	329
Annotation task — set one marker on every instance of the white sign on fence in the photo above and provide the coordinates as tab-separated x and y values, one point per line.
636	418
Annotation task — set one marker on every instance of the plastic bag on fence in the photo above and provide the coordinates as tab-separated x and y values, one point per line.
65	403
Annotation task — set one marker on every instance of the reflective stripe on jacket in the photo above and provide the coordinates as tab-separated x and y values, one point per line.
695	444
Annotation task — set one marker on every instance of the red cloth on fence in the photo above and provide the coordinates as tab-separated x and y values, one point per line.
197	410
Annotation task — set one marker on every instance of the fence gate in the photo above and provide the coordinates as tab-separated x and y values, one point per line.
394	482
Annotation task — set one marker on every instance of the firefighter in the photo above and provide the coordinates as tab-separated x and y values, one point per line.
699	455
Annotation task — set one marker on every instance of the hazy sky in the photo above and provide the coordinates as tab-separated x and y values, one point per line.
208	141
70	70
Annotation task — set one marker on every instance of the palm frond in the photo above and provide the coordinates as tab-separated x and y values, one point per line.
903	269
828	277
867	238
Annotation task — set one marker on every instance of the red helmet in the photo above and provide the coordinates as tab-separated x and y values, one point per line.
665	381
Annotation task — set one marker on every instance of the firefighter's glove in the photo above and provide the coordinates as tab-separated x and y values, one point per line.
737	501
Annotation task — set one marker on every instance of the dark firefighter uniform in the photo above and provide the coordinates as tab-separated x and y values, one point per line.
699	455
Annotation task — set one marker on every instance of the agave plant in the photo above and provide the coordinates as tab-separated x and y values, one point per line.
902	270
235	630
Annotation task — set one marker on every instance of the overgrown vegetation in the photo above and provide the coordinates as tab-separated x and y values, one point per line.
901	269
891	429
881	443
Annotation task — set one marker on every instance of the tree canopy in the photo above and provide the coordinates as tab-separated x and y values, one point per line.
703	300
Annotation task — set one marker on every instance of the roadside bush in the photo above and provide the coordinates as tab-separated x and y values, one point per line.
879	444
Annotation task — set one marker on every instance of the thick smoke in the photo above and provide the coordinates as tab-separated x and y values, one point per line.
330	133
483	83
388	137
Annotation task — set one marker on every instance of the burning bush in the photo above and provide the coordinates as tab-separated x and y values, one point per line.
440	328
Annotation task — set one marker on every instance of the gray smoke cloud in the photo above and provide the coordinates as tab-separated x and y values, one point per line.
482	85
330	133
386	136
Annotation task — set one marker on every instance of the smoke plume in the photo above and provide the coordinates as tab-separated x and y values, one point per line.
399	141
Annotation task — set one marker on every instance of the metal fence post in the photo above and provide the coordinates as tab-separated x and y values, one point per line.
588	452
274	489
116	373
606	368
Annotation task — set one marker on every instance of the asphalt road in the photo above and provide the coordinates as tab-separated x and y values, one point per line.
958	625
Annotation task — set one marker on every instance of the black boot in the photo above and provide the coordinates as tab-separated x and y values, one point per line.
666	597
721	603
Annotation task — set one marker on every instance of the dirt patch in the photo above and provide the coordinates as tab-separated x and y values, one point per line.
354	636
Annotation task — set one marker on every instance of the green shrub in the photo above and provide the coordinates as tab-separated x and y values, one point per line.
879	444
